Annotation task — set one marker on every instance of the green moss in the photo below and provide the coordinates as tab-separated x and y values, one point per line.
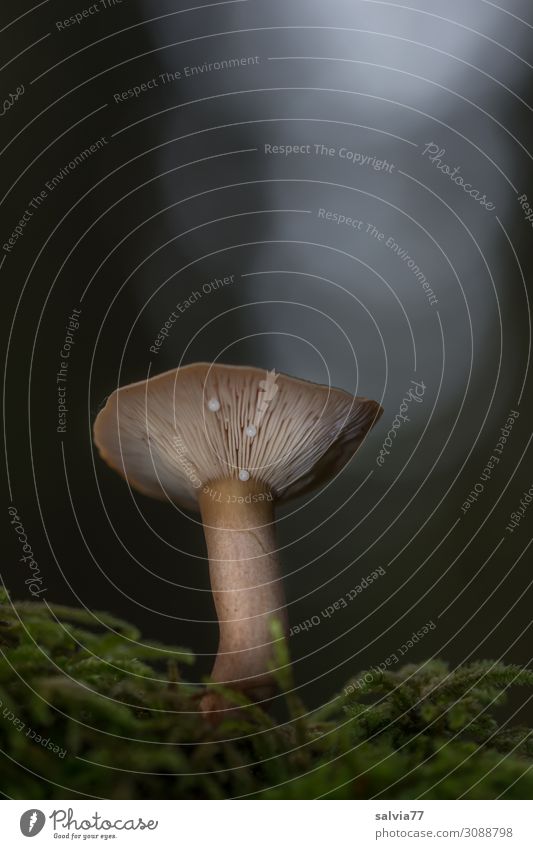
125	725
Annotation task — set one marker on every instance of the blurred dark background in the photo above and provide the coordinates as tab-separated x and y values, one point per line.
182	192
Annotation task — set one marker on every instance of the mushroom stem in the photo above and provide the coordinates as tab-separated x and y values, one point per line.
238	520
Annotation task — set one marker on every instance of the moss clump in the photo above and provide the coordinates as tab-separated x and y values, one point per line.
89	709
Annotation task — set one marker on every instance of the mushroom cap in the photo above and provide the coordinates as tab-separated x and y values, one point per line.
173	434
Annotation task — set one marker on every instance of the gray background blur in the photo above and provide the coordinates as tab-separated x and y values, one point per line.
184	193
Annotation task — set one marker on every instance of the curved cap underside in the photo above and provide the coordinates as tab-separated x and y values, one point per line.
175	433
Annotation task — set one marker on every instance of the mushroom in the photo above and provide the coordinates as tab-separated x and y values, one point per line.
230	442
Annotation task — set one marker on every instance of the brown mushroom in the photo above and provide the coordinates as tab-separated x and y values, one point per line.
231	441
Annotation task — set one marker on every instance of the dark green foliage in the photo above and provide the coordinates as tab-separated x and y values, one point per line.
125	725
